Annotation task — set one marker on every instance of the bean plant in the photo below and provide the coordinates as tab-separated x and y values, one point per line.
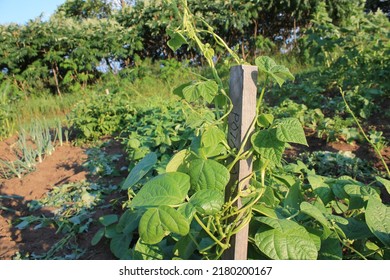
293	213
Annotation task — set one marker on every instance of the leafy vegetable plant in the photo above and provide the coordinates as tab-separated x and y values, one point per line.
191	191
182	213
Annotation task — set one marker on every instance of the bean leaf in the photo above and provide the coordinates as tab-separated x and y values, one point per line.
140	170
207	201
212	136
208	174
266	143
378	220
285	240
290	130
206	89
158	222
277	72
165	189
385	182
176	41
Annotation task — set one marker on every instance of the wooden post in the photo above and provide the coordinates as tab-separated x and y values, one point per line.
243	91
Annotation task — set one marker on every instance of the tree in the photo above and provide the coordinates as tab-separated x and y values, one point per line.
83	9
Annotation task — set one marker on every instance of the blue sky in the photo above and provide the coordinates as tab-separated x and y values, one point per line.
21	11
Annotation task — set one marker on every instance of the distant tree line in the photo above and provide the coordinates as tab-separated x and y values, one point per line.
65	52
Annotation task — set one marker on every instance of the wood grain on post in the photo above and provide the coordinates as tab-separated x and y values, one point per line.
243	91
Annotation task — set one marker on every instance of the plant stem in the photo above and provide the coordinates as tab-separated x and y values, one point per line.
223	246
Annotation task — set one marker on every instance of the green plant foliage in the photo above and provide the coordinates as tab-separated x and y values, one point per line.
140	170
270	143
165	189
157	222
279	73
100	116
385	183
206	202
208	174
268	146
290	130
324	206
337	164
284	239
161	130
207	90
186	201
377	218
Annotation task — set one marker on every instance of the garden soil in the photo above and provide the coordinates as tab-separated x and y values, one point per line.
63	166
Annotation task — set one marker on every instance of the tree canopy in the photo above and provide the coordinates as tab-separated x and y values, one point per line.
66	51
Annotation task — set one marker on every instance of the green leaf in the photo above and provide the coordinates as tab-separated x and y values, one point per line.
133	143
315	213
120	244
265	120
206	89
158	222
111	231
293	197
285	240
290	130
331	249
129	221
315	235
359	194
165	189
140	170
279	73
208	174
151	229
176	41
266	211
385	182
179	90
355	197
378	220
143	251
268	146
185	247
108	219
208	201
212	136
320	188
177	160
192	93
356	229
212	151
187	210
97	237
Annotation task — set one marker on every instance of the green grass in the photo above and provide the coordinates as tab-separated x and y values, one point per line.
48	107
24	112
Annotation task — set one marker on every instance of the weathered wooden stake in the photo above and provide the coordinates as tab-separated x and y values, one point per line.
243	92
